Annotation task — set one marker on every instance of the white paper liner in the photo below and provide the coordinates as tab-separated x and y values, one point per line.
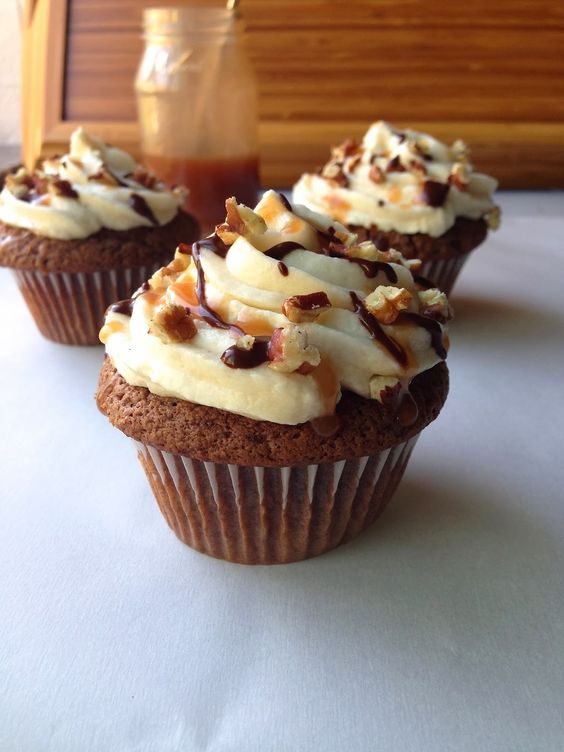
70	307
263	515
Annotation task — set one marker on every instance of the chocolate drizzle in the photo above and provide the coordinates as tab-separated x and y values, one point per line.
203	310
237	357
215	243
395	165
283	249
64	188
370	268
432	326
423	282
122	306
372	325
285	201
139	205
282	268
434	194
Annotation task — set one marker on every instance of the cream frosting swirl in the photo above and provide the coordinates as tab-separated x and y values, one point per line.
93	186
399	180
273	314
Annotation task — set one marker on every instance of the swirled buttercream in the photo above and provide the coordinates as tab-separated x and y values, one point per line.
399	180
273	314
93	186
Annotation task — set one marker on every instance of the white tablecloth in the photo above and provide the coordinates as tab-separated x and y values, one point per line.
441	628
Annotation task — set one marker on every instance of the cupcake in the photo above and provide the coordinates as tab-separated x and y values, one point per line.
275	377
406	190
84	230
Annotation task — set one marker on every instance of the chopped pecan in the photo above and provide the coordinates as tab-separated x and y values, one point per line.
459	176
434	304
288	351
172	323
376	174
460	152
385	303
300	309
144	177
240	220
493	218
348	148
334	171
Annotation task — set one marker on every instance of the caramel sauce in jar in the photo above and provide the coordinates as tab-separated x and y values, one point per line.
210	182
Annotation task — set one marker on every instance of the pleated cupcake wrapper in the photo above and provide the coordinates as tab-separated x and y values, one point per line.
69	307
443	272
263	515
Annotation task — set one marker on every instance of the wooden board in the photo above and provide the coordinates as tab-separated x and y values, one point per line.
489	73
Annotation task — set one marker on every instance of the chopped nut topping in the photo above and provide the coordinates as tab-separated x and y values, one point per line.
172	323
382	385
460	152
245	342
459	175
353	162
434	304
166	275
376	174
240	220
288	351
385	303
144	177
334	171
300	309
416	166
493	218
348	148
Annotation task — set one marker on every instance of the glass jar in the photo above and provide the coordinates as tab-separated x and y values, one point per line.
197	105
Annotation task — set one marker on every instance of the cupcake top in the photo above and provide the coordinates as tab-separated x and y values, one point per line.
276	312
399	180
91	187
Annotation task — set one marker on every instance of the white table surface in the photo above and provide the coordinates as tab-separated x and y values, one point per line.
441	628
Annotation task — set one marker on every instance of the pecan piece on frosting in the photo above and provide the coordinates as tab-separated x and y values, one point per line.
376	174
240	220
459	176
300	309
493	218
386	303
334	171
434	304
172	323
288	351
348	148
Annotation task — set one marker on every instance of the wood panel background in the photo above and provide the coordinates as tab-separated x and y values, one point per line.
491	73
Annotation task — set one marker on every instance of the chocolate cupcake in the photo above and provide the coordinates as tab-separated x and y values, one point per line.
85	230
275	377
406	190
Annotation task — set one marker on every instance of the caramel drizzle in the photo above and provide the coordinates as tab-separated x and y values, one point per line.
372	325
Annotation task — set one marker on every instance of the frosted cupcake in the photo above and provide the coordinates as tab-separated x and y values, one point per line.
85	230
406	190
275	377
